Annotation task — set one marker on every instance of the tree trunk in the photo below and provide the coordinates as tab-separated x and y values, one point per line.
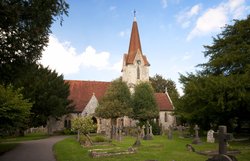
88	138
49	126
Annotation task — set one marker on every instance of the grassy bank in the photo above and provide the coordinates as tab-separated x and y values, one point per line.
5	147
8	143
32	136
160	149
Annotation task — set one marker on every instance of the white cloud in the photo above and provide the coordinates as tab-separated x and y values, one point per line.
164	3
213	19
124	33
62	57
90	58
185	17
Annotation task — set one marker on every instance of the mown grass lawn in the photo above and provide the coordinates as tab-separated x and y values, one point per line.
160	149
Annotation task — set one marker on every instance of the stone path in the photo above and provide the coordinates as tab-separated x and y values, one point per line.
35	150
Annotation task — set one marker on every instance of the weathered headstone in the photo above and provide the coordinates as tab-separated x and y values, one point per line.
147	136
210	136
223	137
143	131
196	140
119	134
150	130
170	134
138	142
180	129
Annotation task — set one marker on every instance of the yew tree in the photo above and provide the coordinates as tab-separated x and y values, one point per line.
49	93
220	92
144	103
116	102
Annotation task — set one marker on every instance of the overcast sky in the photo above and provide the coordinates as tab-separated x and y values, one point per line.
93	38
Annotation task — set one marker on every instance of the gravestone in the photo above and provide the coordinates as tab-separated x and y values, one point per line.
119	134
196	140
138	142
147	136
210	136
180	129
223	137
150	130
170	134
143	131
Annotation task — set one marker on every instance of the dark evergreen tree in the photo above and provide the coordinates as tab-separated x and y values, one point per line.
144	103
48	91
115	103
220	92
24	32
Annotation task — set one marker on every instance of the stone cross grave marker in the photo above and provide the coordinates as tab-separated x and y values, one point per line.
196	140
138	142
148	136
120	134
142	131
223	137
210	136
150	130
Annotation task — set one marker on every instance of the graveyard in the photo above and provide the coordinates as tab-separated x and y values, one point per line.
96	91
160	148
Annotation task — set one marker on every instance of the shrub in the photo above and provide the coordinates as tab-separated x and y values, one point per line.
99	139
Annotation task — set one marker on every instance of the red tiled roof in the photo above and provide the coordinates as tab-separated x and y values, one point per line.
163	102
82	91
134	46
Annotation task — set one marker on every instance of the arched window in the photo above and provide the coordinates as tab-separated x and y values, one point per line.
138	72
69	124
166	117
65	123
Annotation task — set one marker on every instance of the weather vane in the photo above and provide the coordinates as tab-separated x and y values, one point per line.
134	13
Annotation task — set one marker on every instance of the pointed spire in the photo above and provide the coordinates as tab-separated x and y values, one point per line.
134	45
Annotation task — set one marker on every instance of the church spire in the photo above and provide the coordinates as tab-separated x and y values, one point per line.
134	44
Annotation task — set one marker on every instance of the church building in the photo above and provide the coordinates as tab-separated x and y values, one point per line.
87	94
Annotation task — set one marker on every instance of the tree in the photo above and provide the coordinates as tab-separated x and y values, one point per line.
14	110
48	91
160	84
24	31
116	102
83	126
144	103
220	93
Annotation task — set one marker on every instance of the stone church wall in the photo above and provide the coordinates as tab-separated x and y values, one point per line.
166	119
